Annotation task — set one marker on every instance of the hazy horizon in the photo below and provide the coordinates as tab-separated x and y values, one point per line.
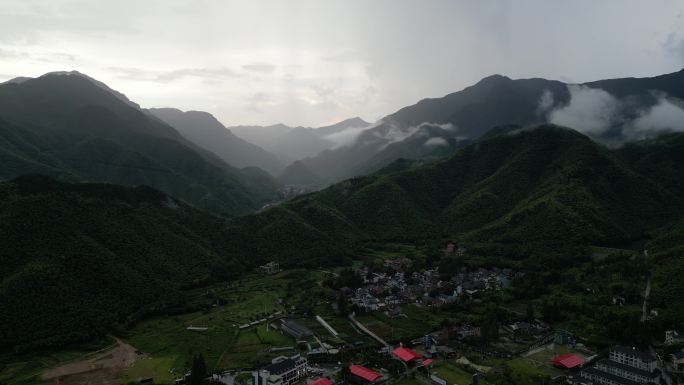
309	63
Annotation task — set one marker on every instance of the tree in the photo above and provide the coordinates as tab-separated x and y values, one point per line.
342	305
529	312
198	372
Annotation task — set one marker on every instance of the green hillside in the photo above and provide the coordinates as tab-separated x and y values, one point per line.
83	259
71	127
80	259
542	193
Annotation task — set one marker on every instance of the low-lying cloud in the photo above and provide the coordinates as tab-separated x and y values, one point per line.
591	110
347	136
666	116
594	112
389	132
435	142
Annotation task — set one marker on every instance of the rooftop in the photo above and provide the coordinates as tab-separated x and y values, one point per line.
406	354
609	376
568	361
646	357
281	366
322	381
365	373
628	368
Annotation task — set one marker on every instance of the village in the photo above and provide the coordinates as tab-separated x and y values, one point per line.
387	320
387	291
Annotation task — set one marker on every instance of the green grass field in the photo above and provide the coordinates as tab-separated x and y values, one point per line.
452	374
537	365
161	369
223	345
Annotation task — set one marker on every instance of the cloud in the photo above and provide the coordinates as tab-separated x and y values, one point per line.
264	68
342	57
590	110
666	116
545	103
435	142
596	112
195	72
207	73
347	136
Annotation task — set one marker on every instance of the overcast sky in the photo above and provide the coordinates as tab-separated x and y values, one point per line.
316	62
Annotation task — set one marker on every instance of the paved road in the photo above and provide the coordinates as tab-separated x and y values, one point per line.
365	330
644	307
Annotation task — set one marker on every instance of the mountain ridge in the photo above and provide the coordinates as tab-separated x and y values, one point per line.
206	131
67	126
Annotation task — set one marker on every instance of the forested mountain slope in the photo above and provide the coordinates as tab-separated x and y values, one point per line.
69	126
204	130
79	259
540	192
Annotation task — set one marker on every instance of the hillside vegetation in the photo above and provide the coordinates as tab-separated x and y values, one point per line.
72	127
83	259
541	193
80	259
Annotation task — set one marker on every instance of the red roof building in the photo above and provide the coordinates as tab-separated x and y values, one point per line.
568	361
322	381
365	373
427	362
406	354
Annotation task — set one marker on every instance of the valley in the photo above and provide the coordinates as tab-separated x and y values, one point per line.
236	325
340	192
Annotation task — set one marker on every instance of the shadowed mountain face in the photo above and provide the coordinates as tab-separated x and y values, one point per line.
538	196
80	258
607	110
204	130
67	125
539	193
293	143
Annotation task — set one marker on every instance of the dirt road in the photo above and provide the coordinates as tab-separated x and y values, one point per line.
102	367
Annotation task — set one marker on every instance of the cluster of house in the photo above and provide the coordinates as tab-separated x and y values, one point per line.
387	291
523	328
624	366
295	369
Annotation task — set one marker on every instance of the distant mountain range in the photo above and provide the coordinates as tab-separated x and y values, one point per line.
539	193
609	111
73	127
83	258
294	143
205	130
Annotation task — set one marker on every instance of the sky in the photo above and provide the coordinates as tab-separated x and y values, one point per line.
316	62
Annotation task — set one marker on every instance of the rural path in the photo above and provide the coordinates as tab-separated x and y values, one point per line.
365	330
644	307
327	326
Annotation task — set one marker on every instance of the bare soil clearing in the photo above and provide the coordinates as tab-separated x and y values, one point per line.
102	367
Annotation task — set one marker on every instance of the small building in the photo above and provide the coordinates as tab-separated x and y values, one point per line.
406	354
568	361
678	361
269	268
365	373
673	337
282	371
321	381
294	329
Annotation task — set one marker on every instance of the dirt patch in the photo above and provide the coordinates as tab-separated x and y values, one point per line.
102	367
